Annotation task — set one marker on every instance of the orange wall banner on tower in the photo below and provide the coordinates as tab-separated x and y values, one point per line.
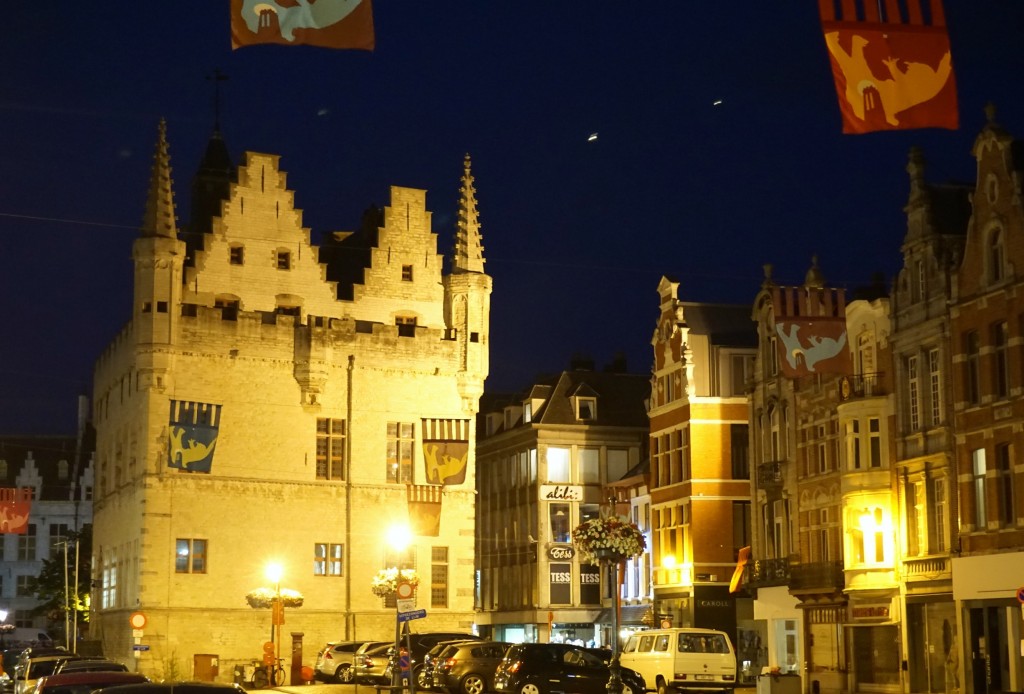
892	67
327	23
15	506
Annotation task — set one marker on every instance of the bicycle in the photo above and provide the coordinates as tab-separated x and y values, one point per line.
264	674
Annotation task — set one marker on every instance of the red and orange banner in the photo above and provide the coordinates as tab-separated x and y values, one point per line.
327	23
893	70
15	506
810	328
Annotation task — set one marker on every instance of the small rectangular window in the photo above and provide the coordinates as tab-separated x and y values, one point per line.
407	273
439	577
190	556
400	442
236	255
327	559
161	307
406	326
284	260
586	408
330	449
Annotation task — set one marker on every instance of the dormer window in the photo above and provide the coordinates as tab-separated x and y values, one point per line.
527	412
586	409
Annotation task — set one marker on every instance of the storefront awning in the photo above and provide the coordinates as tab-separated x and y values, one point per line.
628	614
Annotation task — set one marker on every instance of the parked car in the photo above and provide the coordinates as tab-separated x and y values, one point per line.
372	664
542	668
468	667
420	644
89	664
425	676
335	661
34	663
86	682
175	688
10	662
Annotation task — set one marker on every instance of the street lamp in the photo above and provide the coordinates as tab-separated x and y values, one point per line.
273	572
399	537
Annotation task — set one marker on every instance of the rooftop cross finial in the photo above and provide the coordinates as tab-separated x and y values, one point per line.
217	77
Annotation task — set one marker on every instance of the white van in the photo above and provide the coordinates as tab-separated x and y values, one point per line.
682	659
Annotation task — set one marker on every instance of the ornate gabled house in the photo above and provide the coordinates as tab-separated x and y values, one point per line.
700	475
986	337
823	569
926	475
546	458
272	400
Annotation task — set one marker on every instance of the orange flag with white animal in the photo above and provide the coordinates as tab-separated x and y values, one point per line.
891	63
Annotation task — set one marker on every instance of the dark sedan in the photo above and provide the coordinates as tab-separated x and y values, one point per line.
543	668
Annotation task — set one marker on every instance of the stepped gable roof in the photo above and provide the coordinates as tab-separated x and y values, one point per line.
621	399
727	325
45	454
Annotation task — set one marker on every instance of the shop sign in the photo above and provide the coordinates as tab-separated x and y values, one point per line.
561	492
561	552
870	612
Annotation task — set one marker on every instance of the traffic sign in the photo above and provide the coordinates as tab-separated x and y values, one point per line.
140	647
408	616
137	620
403	590
1020	595
406	605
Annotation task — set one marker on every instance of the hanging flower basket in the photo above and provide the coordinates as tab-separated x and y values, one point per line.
7	628
385	583
264	597
611	539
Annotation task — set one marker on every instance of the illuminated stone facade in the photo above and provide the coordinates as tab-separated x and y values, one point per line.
700	475
272	400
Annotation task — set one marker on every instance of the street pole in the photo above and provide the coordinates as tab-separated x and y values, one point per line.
67	600
614	672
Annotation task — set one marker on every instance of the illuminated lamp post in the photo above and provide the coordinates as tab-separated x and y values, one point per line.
399	537
273	573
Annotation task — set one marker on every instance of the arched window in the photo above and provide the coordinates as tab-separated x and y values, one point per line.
996	253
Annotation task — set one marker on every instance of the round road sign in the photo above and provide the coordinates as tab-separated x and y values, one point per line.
404	590
1020	595
137	620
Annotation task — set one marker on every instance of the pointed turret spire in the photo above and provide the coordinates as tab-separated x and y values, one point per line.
469	252
159	219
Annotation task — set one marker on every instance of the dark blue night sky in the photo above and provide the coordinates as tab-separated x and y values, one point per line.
577	233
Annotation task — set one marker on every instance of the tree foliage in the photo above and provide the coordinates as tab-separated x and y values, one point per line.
55	587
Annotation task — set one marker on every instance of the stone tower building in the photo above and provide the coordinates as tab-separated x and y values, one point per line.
271	400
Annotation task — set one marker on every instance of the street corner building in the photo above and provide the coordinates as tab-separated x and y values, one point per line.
274	400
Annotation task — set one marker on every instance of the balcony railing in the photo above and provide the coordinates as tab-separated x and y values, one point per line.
864	385
762	573
769	475
926	568
824	576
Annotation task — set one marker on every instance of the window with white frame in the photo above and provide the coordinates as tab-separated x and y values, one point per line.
27	544
190	556
527	412
935	386
821	447
586	409
853	444
978	471
617	463
913	392
590	466
439	577
875	442
940	514
1004	485
917	524
327	559
400	443
558	465
559	521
